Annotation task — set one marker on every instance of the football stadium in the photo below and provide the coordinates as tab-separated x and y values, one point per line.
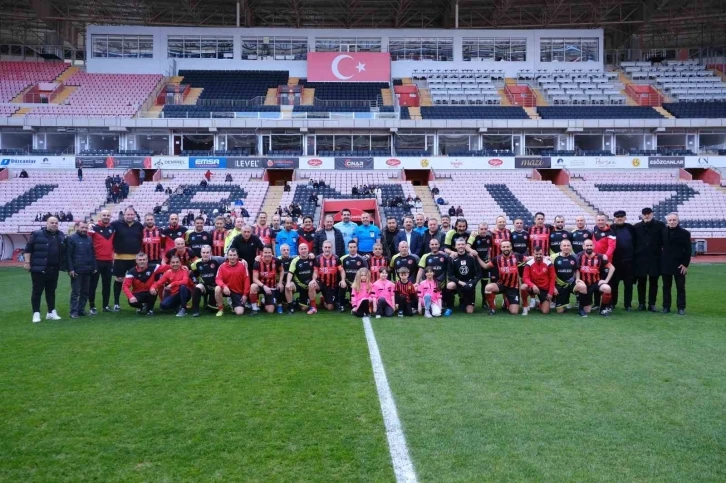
365	240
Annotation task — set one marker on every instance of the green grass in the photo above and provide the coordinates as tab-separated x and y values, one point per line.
636	397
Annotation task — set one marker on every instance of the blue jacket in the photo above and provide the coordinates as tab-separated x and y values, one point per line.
39	248
416	244
286	237
80	256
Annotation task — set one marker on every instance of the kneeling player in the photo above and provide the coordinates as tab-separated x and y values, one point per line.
232	281
266	274
505	278
175	286
464	274
299	279
328	274
566	273
539	281
204	271
590	282
138	283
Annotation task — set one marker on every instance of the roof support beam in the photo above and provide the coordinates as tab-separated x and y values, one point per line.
48	14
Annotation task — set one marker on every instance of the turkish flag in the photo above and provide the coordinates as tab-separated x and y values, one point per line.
349	67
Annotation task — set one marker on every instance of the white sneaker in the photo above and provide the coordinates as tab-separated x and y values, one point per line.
532	303
428	315
378	316
525	311
52	316
36	317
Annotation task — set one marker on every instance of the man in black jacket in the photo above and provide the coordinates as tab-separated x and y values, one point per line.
328	232
674	262
646	262
44	259
389	237
81	261
623	259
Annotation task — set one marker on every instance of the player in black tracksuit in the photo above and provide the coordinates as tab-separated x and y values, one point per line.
352	262
481	243
464	273
204	271
438	261
558	234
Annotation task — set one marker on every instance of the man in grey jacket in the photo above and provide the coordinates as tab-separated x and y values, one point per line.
81	261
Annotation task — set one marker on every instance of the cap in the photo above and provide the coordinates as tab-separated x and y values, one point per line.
647	211
619	213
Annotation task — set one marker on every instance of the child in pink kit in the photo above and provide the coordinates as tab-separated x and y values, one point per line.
429	295
361	290
383	292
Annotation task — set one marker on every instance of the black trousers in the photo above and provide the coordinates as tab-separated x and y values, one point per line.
408	307
44	282
144	298
623	273
363	309
79	292
176	301
680	291
652	282
197	297
105	274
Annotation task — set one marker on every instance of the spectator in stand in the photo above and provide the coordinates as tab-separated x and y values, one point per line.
159	188
314	198
61	216
440	201
23	174
208	175
81	263
168	191
44	259
316	185
109	182
434	190
124	190
69	216
354	190
459	212
228	178
80	172
38	217
287	187
203	183
452	210
115	192
417	203
322	183
157	209
244	213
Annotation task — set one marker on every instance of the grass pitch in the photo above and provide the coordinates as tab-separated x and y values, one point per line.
636	397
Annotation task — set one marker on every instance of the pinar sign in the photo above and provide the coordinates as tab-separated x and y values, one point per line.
349	67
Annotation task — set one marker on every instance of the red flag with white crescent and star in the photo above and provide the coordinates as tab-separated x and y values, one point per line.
349	67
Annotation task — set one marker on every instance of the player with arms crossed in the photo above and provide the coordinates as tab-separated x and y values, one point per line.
538	280
232	281
505	278
328	274
591	265
266	280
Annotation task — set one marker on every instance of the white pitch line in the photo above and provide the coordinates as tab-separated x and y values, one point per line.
402	464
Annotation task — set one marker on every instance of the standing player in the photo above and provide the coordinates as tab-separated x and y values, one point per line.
247	246
558	234
138	283
460	232
197	238
566	273
346	227
438	262
102	236
499	235
520	238
126	245
306	234
481	243
445	223
266	276
204	272
404	258
153	241
327	272
262	230
299	279
287	236
377	261
538	280
239	223
505	278
173	231
285	260
352	262
367	235
174	287
219	235
539	234
464	274
580	234
604	243
232	281
591	266
275	228
185	254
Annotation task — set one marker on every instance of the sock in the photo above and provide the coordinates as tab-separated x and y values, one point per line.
524	294
491	297
220	307
116	291
254	298
314	303
581	301
606	299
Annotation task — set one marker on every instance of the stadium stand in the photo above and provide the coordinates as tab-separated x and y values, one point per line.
468	112
16	76
234	84
576	87
699	110
685	81
461	87
598	112
485	195
362	92
183	111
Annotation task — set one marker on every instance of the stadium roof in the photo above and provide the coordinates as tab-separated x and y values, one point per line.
657	23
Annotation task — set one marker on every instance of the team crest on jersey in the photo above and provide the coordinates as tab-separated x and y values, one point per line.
211	265
358	263
572	262
564	235
410	262
585	235
441	259
148	273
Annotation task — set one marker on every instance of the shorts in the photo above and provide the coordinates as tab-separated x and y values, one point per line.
120	267
509	293
542	296
302	290
587	297
563	294
236	299
520	269
330	295
466	297
269	299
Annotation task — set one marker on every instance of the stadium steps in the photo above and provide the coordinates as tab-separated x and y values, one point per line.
67	74
22	112
415	113
387	97
308	97
272	199
425	97
114	208
293	81
21	95
154	111
540	99
503	99
176	79
626	81
65	93
427	200
193	96
532	112
406	81
271	98
574	196
663	112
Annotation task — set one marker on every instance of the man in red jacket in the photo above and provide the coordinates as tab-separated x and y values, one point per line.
539	280
233	281
102	234
178	287
604	241
138	284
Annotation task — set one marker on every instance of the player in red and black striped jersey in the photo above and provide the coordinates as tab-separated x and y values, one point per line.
499	235
137	285
328	274
185	254
102	236
377	261
406	296
173	231
219	236
539	234
266	280
153	241
591	266
262	230
505	278
198	237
